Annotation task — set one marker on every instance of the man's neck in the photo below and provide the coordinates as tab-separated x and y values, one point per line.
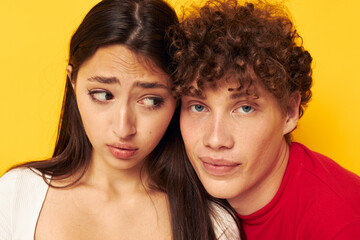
258	196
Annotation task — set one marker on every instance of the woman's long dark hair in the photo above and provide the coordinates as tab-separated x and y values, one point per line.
141	26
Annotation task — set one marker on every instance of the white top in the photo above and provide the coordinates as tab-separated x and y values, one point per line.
22	194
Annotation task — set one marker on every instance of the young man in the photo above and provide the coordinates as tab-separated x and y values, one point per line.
245	80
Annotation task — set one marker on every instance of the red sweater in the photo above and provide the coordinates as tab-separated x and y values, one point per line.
317	200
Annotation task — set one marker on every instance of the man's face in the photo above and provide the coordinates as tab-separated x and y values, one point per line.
236	143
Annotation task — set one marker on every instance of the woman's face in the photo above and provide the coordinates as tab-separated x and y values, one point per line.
125	106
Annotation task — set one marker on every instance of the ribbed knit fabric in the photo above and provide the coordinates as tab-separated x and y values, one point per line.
22	193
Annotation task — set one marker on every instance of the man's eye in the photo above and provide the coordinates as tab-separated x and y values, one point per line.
101	96
246	109
197	108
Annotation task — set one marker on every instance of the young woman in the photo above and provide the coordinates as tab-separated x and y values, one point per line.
117	168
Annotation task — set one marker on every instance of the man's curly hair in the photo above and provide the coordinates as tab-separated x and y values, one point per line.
251	42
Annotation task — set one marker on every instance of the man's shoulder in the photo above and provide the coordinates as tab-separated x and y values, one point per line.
325	178
325	195
319	164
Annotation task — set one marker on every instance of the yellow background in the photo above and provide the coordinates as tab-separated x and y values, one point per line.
33	55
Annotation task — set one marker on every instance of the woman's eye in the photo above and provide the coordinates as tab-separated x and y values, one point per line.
153	102
101	96
197	108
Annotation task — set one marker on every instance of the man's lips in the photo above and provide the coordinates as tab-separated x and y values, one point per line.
218	167
215	161
122	151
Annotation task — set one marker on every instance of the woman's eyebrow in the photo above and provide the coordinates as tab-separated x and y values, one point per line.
112	80
150	85
106	80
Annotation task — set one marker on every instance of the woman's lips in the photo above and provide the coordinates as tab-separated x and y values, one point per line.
218	167
121	151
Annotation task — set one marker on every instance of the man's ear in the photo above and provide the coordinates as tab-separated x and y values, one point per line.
69	72
292	112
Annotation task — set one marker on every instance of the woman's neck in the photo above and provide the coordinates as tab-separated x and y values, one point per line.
114	180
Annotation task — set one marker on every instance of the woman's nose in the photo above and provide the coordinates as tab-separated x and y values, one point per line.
124	122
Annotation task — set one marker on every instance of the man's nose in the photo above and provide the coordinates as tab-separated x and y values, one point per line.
218	133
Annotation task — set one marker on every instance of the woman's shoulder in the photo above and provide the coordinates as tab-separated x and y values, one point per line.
17	183
22	192
17	176
225	225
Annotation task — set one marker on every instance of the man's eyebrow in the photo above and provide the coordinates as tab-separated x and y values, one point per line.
245	94
233	96
150	85
238	95
106	80
194	96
